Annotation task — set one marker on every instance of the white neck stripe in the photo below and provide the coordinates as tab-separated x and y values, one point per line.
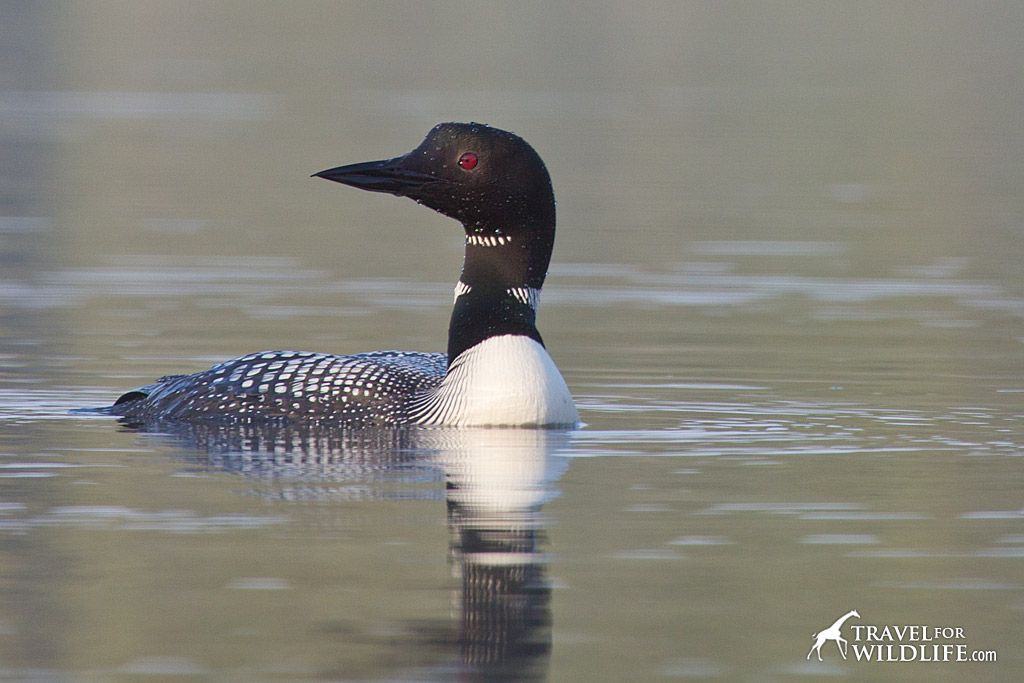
488	240
461	288
527	295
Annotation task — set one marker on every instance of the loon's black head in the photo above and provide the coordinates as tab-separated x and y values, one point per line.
489	180
493	183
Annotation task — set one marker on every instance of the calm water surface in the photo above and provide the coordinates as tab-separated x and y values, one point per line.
786	293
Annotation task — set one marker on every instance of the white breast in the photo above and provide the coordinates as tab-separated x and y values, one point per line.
506	380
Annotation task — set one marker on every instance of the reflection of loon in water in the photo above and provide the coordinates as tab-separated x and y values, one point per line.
496	488
496	370
496	483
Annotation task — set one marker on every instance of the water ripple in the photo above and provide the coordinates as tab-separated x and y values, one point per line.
119	518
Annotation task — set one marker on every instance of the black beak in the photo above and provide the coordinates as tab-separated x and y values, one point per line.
380	176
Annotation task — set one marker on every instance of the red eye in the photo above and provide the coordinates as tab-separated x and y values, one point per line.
468	161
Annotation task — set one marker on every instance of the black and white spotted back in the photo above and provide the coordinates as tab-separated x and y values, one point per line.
378	388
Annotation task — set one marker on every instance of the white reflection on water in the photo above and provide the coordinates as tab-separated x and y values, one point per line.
118	518
702	540
994	514
683	289
909	553
859	515
259	583
163	666
841	539
778	508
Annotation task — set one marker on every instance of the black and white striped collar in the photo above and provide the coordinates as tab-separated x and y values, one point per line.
526	295
488	240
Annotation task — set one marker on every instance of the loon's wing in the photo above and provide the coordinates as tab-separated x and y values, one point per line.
363	389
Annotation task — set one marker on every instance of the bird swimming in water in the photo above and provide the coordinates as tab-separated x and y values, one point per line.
496	371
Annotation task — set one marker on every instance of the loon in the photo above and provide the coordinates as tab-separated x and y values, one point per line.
496	371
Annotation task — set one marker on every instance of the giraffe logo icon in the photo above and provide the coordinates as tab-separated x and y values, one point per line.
832	633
